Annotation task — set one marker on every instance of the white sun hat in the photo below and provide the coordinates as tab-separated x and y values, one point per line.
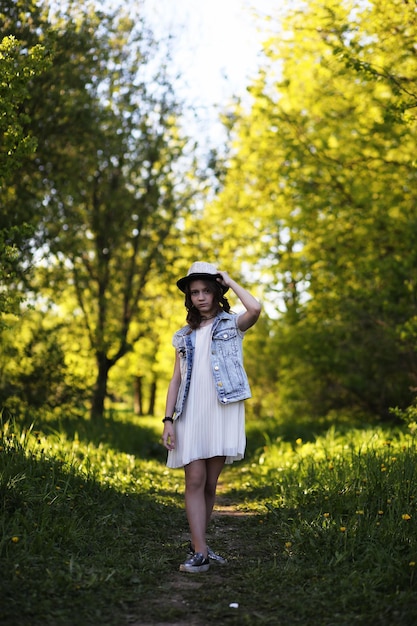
200	270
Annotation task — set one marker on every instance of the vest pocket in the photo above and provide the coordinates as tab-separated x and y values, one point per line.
226	341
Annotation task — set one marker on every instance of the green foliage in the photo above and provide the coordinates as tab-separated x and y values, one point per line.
407	415
321	183
17	69
35	371
111	178
262	368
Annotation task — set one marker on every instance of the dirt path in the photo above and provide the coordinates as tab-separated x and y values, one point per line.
183	590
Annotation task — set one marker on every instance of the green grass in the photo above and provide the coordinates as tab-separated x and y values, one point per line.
93	528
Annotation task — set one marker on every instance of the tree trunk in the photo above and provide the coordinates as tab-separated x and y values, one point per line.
100	387
137	395
152	398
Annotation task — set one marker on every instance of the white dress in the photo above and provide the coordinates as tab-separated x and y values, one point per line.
207	428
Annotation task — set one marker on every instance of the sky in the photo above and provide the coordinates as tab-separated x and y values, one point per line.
215	45
216	48
217	41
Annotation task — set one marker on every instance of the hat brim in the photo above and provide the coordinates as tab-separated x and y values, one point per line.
182	282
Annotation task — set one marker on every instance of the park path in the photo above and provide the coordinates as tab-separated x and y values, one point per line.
184	589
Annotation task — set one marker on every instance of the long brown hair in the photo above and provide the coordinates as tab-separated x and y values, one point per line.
193	314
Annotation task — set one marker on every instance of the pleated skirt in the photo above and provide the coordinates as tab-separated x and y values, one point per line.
207	428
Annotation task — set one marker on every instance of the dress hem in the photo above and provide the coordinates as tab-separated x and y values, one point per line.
229	460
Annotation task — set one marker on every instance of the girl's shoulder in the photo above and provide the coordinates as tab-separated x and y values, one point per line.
229	320
179	335
228	317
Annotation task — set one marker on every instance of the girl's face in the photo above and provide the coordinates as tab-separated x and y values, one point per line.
202	298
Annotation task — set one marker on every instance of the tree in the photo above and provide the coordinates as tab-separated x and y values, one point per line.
35	372
322	182
16	72
111	177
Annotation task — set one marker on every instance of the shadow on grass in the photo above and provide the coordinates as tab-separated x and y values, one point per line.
73	551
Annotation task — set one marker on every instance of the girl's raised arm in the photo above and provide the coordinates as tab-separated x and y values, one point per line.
251	304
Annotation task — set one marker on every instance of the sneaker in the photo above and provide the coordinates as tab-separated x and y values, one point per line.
196	563
216	558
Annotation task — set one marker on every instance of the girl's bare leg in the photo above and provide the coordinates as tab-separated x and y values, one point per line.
200	491
214	467
195	504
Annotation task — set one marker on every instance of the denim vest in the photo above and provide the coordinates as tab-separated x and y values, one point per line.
229	375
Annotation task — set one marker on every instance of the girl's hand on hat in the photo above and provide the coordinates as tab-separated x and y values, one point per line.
224	279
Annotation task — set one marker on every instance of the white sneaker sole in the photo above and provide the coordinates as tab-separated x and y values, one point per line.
194	569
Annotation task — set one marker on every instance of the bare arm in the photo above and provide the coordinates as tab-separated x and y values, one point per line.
168	435
251	304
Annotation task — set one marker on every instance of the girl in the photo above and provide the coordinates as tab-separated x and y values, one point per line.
204	423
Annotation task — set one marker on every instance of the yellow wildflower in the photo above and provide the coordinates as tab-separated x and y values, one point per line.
406	516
